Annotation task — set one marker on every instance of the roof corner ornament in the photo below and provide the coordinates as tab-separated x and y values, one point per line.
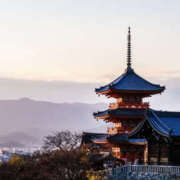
129	49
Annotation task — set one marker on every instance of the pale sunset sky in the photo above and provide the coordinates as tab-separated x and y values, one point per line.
60	50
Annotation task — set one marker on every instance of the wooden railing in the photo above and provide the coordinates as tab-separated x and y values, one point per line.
145	171
149	168
129	105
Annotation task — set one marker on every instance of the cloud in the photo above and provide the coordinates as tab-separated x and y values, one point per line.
54	91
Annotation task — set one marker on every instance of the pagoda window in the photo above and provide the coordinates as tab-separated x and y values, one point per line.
126	99
138	99
132	99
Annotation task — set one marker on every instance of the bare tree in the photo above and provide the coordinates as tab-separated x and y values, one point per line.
63	140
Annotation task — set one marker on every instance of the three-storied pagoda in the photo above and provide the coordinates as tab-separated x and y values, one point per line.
138	132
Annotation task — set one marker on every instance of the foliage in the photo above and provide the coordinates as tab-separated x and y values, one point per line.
68	162
63	140
98	175
16	160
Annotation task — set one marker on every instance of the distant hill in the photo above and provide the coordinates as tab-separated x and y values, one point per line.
26	121
18	139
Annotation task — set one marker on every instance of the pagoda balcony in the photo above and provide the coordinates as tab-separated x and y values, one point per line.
116	130
129	105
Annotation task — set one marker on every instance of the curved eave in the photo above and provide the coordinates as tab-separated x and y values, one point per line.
108	115
102	117
116	117
136	129
158	130
139	143
100	142
121	139
155	125
128	143
110	91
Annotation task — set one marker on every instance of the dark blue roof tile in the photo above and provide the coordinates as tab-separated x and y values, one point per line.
166	122
121	112
123	138
130	81
163	122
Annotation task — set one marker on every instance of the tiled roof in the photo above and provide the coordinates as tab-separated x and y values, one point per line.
167	123
130	81
88	137
163	122
121	112
123	138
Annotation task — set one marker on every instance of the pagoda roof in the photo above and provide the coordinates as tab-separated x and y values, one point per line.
101	138
166	123
123	138
88	137
163	122
130	82
120	112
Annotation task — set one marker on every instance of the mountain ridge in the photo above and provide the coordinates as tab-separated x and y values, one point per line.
34	119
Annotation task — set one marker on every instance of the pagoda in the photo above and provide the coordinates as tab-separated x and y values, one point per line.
127	111
138	131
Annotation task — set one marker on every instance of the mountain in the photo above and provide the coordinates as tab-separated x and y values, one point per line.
18	139
27	121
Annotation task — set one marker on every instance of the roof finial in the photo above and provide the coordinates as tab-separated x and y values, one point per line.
129	49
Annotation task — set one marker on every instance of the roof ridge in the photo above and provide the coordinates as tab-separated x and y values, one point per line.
147	80
160	122
165	111
136	129
121	77
127	73
112	82
156	127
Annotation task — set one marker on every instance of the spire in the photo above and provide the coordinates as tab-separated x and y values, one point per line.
129	49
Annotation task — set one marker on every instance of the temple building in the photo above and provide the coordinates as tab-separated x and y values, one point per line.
138	131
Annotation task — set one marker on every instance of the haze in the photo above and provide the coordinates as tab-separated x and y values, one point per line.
60	50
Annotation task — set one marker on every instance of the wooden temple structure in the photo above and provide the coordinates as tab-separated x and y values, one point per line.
139	132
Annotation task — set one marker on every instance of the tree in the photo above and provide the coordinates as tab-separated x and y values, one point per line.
65	156
63	140
67	162
16	161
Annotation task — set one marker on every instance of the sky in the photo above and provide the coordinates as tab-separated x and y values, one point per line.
60	50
